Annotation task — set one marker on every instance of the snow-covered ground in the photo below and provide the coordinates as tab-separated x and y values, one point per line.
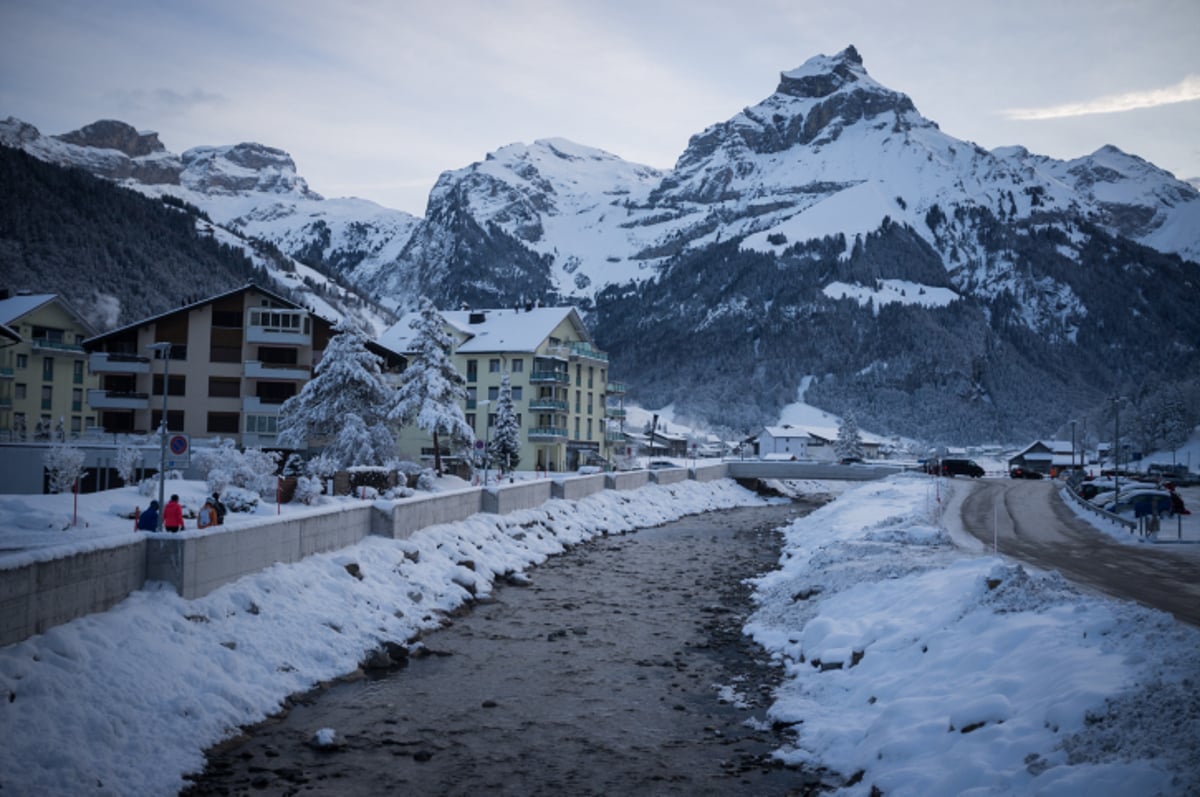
961	673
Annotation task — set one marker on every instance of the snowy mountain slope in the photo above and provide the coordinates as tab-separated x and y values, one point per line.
247	191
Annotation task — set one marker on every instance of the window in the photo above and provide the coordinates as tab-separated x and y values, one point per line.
494	365
578	375
589	429
491	419
278	355
76	424
472	370
224	354
222	422
591	375
256	424
518	366
78	375
493	393
174	420
470	417
224	387
176	385
279	320
518	420
472	397
589	404
19	390
227	318
76	400
578	399
518	393
576	428
275	392
48	369
47	396
22	360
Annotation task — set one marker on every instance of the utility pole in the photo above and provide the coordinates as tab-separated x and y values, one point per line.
164	351
1116	400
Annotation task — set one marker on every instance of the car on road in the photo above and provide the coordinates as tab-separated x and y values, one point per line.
1024	473
961	467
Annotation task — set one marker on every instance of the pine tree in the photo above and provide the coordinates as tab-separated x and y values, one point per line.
848	444
346	402
505	447
431	387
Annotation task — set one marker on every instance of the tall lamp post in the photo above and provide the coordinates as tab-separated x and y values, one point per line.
487	427
164	351
1116	400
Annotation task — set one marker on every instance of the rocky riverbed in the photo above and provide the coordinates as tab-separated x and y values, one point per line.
620	670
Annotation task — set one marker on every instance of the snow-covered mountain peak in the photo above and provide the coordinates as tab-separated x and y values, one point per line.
822	75
114	134
240	168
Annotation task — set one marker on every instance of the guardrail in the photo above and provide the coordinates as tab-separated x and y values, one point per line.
1090	507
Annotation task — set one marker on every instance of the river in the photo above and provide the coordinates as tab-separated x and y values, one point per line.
621	670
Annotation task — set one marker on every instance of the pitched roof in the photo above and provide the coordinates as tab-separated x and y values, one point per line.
187	308
493	330
15	307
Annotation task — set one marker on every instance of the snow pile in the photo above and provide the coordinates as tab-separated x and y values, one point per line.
125	702
915	669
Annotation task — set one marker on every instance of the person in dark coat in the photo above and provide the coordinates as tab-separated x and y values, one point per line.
148	520
216	501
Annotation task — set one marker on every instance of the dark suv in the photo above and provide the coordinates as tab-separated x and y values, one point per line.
961	467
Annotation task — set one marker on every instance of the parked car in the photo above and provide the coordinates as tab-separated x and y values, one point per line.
1141	501
1090	489
961	467
1024	473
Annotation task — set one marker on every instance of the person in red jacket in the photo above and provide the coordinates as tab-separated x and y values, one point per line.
173	515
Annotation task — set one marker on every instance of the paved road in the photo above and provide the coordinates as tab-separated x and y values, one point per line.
1032	524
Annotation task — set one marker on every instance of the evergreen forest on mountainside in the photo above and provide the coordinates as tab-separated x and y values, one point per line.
65	231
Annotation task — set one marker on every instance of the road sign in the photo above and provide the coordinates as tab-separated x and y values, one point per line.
179	451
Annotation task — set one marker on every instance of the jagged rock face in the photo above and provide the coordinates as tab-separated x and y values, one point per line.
112	134
242	168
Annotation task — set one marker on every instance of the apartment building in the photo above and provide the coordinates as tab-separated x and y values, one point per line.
226	363
558	377
43	374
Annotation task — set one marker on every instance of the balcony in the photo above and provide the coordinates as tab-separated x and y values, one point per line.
580	348
288	373
253	405
111	362
551	434
614	436
117	400
558	377
6	373
57	347
548	405
614	412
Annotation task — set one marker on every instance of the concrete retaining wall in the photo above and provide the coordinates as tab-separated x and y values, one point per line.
626	480
40	595
511	497
413	515
197	563
577	487
669	475
708	473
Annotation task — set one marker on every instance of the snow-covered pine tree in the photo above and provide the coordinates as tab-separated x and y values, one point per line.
431	387
849	443
346	402
505	447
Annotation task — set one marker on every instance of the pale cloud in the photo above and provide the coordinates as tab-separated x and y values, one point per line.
1185	90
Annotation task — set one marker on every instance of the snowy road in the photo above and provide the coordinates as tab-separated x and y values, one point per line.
1031	523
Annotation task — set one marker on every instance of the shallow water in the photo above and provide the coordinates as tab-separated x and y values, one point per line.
622	670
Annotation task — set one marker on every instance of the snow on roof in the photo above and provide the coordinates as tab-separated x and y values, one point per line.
14	307
494	330
786	430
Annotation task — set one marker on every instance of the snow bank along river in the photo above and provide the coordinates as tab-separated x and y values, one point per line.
621	669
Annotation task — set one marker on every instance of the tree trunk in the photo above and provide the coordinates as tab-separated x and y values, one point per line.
437	455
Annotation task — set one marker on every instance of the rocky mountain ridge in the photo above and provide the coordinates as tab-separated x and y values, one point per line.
806	236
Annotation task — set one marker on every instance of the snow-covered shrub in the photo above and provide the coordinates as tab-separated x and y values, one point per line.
427	480
64	464
224	466
408	469
308	490
129	459
399	491
239	499
293	466
322	467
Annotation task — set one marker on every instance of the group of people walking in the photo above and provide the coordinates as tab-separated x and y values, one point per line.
211	514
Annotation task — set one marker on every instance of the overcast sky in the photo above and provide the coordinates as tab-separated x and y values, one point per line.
375	99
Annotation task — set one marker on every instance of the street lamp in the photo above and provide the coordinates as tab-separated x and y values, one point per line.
487	427
1116	400
164	351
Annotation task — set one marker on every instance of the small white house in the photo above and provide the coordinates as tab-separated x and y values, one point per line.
787	440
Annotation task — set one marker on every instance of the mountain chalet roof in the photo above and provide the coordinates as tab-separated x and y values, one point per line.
495	330
15	307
